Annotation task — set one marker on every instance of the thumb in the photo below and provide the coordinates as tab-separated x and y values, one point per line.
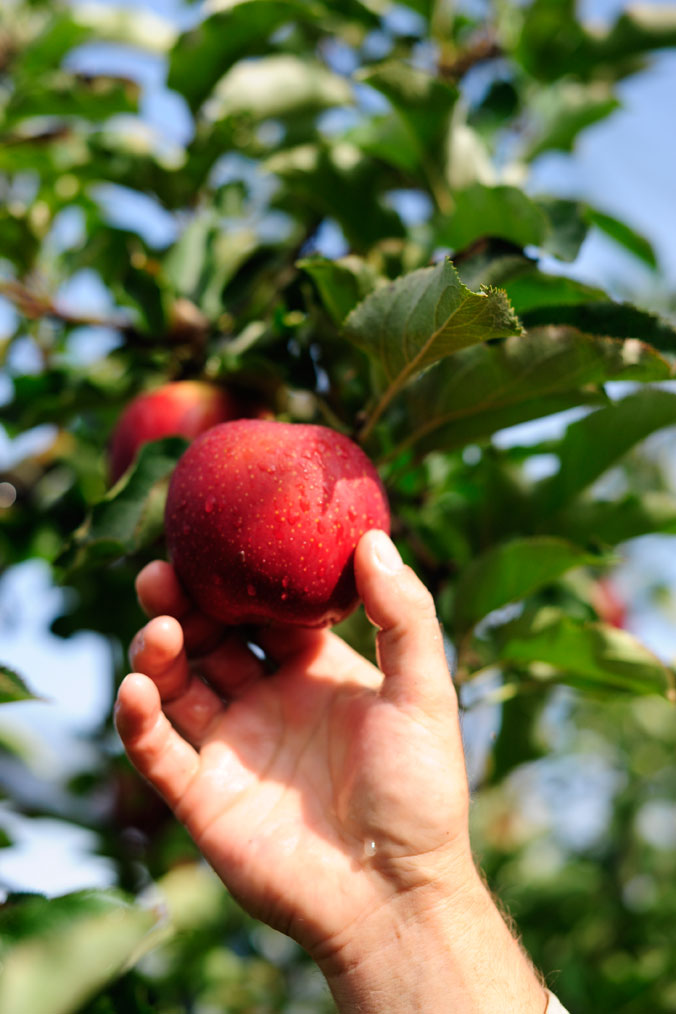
410	642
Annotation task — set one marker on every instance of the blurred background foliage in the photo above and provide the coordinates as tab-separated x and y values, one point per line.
330	208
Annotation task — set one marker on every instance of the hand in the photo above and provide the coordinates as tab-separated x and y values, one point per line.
330	796
318	791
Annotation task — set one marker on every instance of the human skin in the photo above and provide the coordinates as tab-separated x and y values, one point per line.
331	796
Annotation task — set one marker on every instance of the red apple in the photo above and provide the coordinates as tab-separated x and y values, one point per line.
608	604
263	518
185	408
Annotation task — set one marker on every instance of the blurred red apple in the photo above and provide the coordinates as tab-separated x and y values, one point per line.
607	603
185	408
263	518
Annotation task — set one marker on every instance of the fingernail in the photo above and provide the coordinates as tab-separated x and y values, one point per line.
386	553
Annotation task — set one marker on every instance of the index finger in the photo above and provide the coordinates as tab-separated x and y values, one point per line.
160	593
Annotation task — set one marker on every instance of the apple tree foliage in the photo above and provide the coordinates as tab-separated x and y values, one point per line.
350	238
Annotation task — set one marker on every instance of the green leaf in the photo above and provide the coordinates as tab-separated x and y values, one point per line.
588	656
131	515
12	687
423	102
46	51
554	44
512	571
592	445
339	181
617	320
530	289
386	138
203	55
562	112
206	257
624	235
147	295
641	29
489	387
277	86
65	95
58	952
341	283
194	896
566	227
19	242
503	212
422	317
607	522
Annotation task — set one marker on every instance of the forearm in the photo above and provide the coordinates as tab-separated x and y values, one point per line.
453	958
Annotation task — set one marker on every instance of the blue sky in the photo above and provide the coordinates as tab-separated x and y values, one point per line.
626	166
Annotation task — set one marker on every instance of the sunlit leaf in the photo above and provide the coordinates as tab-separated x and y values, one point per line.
592	445
553	43
205	258
58	952
588	656
423	317
607	522
530	289
566	227
510	572
423	102
340	182
617	320
194	896
386	138
49	47
489	387
563	112
66	95
279	85
12	687
203	55
341	283
624	235
505	212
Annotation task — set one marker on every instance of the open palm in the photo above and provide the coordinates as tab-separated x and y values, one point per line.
315	791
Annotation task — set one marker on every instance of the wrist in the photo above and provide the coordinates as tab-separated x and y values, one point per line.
436	950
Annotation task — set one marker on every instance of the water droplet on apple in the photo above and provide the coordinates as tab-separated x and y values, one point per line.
304	504
370	849
186	529
284	596
320	525
285	582
351	513
209	504
292	517
250	590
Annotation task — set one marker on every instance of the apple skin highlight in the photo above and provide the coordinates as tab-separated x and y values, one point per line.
263	517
